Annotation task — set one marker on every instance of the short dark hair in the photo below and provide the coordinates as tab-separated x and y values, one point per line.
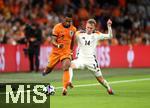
69	15
92	21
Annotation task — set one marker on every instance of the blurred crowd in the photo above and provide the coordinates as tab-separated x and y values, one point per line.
131	18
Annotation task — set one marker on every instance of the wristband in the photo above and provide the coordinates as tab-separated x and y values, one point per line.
58	46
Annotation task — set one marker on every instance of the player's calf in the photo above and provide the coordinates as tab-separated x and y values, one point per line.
66	64
105	84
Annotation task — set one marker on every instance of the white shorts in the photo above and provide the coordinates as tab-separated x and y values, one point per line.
90	63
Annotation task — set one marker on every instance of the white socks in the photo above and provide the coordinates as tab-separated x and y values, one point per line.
71	74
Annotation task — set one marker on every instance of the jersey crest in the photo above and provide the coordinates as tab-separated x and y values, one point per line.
71	33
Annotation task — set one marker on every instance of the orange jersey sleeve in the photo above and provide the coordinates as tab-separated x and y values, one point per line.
55	30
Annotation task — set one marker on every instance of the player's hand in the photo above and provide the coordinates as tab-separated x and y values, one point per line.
109	23
60	46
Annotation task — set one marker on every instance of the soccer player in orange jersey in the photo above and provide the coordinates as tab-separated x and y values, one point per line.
62	41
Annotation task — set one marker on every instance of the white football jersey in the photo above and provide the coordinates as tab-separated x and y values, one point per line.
87	43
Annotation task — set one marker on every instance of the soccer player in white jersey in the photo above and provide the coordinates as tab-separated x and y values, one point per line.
87	41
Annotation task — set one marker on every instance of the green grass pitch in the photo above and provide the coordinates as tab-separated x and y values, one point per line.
131	86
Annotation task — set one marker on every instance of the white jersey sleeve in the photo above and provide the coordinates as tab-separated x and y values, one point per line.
102	36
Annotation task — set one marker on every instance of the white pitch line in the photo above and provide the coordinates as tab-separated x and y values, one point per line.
113	82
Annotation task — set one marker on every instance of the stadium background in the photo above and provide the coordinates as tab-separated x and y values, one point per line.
131	18
131	29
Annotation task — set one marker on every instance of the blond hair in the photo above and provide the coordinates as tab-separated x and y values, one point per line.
92	21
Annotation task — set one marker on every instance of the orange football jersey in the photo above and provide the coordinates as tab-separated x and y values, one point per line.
64	36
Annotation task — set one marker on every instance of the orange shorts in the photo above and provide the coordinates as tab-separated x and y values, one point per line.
54	58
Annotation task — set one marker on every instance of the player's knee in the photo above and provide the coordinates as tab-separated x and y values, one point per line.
66	65
98	73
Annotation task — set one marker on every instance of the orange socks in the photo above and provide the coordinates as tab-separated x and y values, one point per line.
66	78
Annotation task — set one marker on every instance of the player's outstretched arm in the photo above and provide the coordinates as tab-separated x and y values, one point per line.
109	23
109	35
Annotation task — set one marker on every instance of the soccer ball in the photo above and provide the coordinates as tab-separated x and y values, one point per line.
49	90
